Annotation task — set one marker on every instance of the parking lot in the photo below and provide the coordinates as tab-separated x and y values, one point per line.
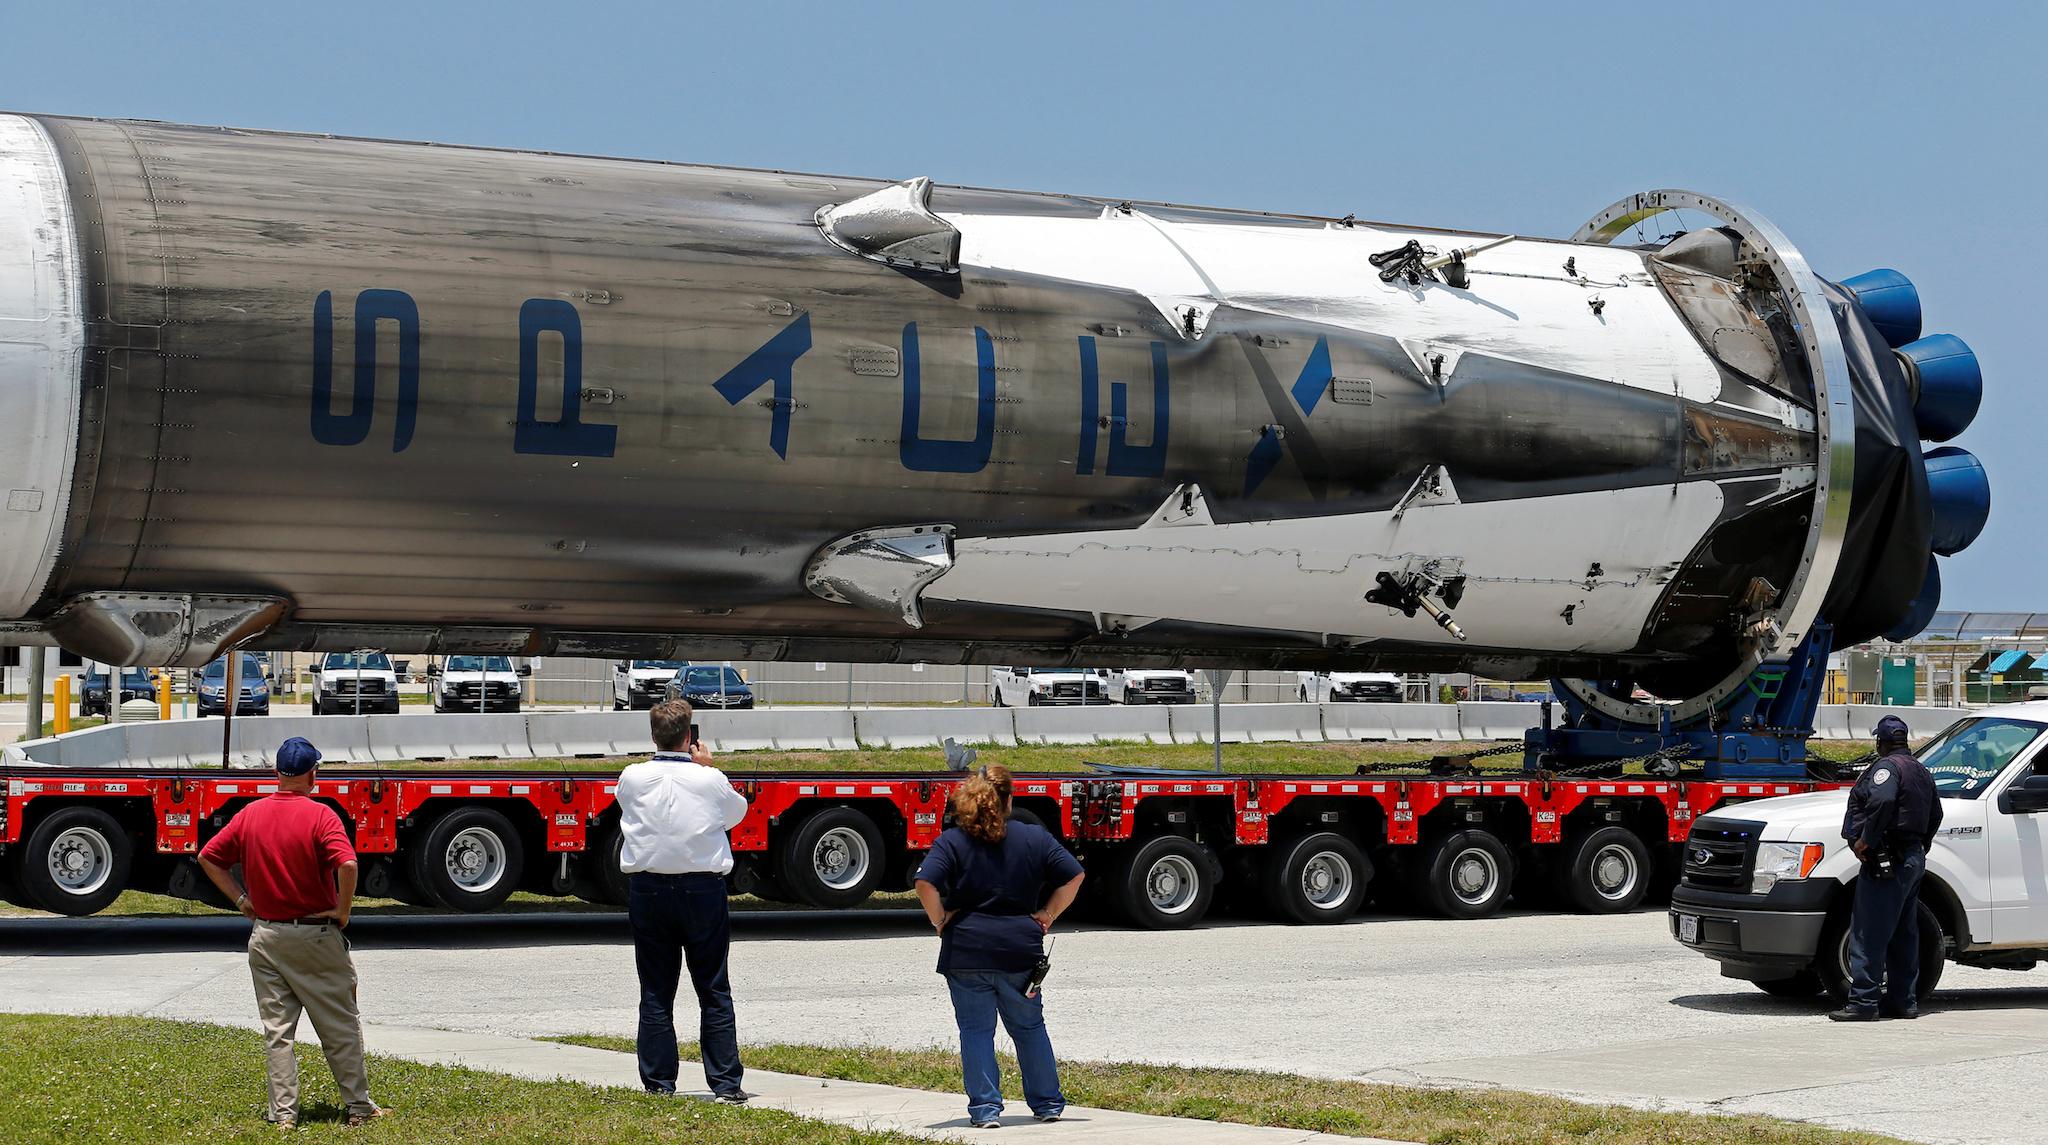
1607	1009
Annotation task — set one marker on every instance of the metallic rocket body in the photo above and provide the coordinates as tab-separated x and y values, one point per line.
310	392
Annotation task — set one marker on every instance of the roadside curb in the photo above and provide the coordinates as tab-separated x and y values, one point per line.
861	1105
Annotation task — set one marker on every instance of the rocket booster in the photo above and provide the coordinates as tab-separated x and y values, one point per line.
306	392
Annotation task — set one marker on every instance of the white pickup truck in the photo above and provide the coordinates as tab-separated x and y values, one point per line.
476	684
1766	885
1149	685
1349	687
1030	687
351	683
638	684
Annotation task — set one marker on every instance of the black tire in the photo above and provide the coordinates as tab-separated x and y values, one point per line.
1164	883
469	859
1831	961
1607	871
833	858
1804	984
618	705
1316	880
998	693
1465	874
75	862
601	881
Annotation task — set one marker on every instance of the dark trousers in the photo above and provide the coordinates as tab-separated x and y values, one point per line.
681	920
1884	935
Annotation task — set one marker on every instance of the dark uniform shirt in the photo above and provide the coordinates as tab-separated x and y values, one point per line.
1894	806
995	887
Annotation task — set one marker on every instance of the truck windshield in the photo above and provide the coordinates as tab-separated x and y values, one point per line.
714	678
479	664
1967	757
250	669
350	661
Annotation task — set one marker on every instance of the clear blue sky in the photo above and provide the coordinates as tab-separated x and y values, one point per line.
1904	135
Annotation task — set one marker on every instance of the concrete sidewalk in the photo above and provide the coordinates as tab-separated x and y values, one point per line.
940	1116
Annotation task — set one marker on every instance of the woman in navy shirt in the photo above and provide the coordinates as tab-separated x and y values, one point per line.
992	889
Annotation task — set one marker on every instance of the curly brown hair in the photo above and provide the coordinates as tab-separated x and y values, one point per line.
981	806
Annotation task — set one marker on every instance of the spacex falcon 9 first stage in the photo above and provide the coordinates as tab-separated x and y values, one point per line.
306	392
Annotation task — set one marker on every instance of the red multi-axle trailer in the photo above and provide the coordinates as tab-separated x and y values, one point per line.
1161	848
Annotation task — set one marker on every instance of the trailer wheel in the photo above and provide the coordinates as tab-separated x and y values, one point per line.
832	859
1466	874
76	862
600	880
1319	879
1609	872
1831	962
1164	883
469	860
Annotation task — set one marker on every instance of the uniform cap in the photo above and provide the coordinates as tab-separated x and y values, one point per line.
297	756
1890	729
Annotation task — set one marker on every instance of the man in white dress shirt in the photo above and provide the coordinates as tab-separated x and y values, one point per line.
674	812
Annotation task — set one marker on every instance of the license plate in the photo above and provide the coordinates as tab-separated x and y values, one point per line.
1688	928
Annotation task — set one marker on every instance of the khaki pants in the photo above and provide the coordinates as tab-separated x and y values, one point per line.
307	969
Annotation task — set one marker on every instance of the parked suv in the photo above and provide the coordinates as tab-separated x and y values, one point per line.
92	689
351	682
1766	886
252	687
476	684
639	684
1149	685
1349	687
710	686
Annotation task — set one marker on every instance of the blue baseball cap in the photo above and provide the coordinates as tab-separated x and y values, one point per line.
297	756
1892	729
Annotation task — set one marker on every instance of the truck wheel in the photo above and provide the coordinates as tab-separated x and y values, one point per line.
832	859
1831	962
1609	872
601	881
1466	874
1317	880
469	860
1804	984
1165	883
76	862
618	705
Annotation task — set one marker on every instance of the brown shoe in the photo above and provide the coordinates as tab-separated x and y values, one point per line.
284	1125
359	1119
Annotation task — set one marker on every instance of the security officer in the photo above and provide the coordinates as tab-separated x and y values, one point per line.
1894	812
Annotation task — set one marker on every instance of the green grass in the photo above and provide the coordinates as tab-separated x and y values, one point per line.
1405	1113
70	1079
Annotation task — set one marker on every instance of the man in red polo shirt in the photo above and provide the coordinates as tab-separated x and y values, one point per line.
301	876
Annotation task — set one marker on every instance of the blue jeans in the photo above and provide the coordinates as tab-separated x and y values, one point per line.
978	997
1884	935
679	919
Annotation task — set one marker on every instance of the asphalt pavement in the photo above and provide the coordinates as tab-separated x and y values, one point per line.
1606	1009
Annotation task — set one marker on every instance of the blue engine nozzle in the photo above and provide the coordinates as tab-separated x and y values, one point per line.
1920	613
1948	384
1961	492
1891	302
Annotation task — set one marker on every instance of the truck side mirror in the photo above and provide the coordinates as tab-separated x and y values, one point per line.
2027	797
526	669
433	669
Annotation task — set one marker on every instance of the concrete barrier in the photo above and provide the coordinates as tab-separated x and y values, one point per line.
929	727
1249	723
1831	721
1391	721
1491	720
446	735
1924	723
782	729
567	735
176	743
1108	723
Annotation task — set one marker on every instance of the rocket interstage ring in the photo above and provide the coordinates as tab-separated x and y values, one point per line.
1799	605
